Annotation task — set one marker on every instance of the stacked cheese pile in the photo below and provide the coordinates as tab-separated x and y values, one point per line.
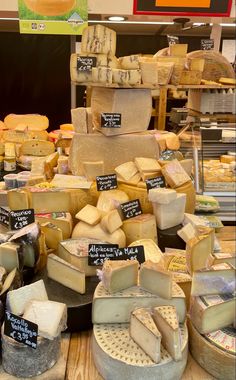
212	317
31	302
220	174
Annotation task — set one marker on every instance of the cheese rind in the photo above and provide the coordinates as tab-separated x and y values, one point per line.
155	279
140	227
32	121
119	274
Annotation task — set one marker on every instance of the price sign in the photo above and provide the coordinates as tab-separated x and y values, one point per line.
207	44
106	182
110	120
98	253
4	216
131	209
172	40
21	330
21	218
154	183
86	63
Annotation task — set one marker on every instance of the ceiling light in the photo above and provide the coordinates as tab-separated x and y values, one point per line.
116	18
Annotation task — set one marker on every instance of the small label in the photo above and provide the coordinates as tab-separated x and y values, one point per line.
131	209
85	64
207	44
98	253
106	182
111	120
153	183
21	330
9	166
172	40
4	216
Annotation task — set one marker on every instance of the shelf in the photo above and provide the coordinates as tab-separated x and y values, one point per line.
146	86
225	116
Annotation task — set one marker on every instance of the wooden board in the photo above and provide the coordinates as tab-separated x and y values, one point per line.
57	372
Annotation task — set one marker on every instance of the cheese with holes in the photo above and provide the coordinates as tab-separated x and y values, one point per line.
31	121
212	312
171	214
111	200
218	279
53	234
147	165
198	253
102	74
119	274
50	317
93	169
122	101
162	196
83	229
140	227
129	62
117	307
166	319
127	170
174	174
145	333
65	273
111	221
98	39
187	232
18	299
62	220
9	256
151	250
89	214
37	148
156	280
18	136
79	119
178	50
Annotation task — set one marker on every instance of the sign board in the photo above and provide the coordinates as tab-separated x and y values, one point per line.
57	17
16	220
21	330
106	182
211	8
98	253
207	44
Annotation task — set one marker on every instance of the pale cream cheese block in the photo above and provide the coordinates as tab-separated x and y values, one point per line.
93	169
147	165
117	307
50	316
140	227
161	195
187	232
145	333
218	279
151	250
17	299
166	319
66	274
155	279
119	274
89	214
79	119
127	170
111	221
171	214
213	312
9	256
98	39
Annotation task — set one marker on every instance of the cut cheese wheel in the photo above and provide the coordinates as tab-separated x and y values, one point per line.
33	122
198	253
37	148
190	77
140	227
155	280
119	274
21	136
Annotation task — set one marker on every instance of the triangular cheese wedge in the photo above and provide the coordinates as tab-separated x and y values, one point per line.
156	280
119	274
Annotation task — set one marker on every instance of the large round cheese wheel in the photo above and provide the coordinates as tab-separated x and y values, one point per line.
50	7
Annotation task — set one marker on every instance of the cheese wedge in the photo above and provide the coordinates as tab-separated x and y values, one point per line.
174	174
111	200
145	165
53	235
66	274
127	170
140	227
9	256
156	280
167	322
151	251
111	222
145	333
198	253
187	232
89	214
62	220
119	274
219	279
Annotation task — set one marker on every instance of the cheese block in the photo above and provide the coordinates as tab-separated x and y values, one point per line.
9	258
197	64
148	175
18	136
117	307
50	317
111	222
93	169
53	234
147	165
195	220
62	220
9	150
37	148
145	333
137	192
166	319
122	101
198	253
123	148
162	196
227	159
149	71
65	273
127	170
119	274
228	81
18	299
187	165
184	281
140	227
83	229
171	214
171	140
187	232
174	174
102	74
155	279
212	312
98	39
126	77
49	200
151	250
129	62
219	279
191	77
79	119
111	200
224	257
31	121
179	64
178	50
134	180
89	214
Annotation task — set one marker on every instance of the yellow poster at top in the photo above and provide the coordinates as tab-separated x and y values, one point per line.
184	3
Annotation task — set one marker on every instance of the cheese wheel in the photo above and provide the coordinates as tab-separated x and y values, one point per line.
50	7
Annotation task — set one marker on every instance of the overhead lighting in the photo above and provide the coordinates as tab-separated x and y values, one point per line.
131	22
116	18
228	25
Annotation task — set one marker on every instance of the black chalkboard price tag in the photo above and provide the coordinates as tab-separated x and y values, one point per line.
110	120
98	253
21	330
4	216
131	253
172	40
156	182
106	182
131	209
207	44
21	218
85	64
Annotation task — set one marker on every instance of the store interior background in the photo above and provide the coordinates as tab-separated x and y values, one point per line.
34	69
